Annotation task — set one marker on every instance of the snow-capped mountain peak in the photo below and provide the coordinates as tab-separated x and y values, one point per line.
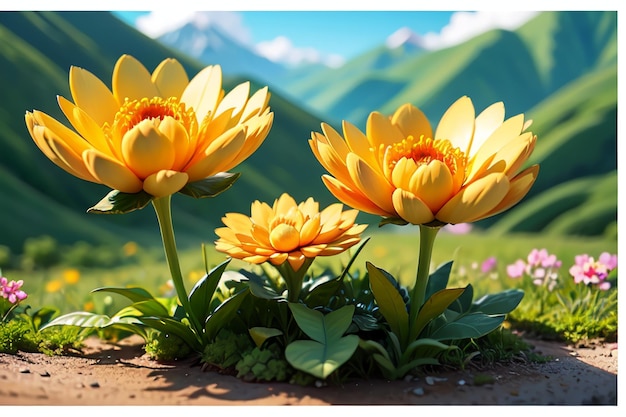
404	36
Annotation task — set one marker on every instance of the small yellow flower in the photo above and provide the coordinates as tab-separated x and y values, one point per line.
130	248
54	286
466	171
288	231
89	306
152	131
71	276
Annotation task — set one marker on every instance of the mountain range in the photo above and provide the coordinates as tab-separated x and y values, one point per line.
560	69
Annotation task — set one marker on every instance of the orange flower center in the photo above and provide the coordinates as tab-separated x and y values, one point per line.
425	150
284	237
134	111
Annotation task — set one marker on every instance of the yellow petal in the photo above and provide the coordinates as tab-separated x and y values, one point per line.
330	160
165	183
254	139
111	172
170	78
310	230
374	186
220	152
411	208
131	80
412	122
519	187
402	173
380	131
352	198
457	124
335	141
358	143
236	100
283	204
204	91
177	135
476	200
261	214
486	123
508	132
91	95
70	158
433	184
146	150
85	125
256	104
296	260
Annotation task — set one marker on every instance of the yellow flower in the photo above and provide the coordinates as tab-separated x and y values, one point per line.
153	132
71	276
54	286
467	171
288	232
130	248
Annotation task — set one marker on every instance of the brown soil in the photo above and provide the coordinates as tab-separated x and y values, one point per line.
123	375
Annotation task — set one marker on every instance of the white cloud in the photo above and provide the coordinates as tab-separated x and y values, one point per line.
280	49
465	25
157	23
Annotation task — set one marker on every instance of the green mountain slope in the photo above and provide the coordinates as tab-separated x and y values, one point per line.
36	51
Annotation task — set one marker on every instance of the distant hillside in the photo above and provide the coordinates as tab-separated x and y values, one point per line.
36	52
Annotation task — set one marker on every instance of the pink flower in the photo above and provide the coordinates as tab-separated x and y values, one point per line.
11	290
517	269
488	265
591	272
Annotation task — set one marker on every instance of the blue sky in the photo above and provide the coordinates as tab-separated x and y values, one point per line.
328	36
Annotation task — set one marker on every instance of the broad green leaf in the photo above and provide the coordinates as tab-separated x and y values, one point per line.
436	345
438	280
259	287
468	326
222	314
134	294
433	307
150	308
210	186
261	334
169	325
319	359
117	202
319	327
389	302
202	293
463	304
90	320
500	303
322	291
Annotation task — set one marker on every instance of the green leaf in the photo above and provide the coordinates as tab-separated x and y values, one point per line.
353	258
434	307
319	327
318	359
261	334
202	293
438	280
260	287
222	314
389	301
500	303
210	186
463	304
169	325
134	294
148	308
89	320
471	325
323	289
117	202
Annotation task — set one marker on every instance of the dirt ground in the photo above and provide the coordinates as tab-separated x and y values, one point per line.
122	375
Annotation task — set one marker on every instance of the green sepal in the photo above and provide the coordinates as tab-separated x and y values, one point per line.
210	186
393	220
117	202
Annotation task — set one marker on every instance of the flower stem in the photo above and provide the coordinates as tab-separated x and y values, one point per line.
294	279
418	295
162	207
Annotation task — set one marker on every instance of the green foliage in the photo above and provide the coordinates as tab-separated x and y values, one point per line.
41	252
166	347
263	365
329	349
227	349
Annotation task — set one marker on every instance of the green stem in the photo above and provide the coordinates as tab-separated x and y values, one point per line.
427	240
162	207
294	279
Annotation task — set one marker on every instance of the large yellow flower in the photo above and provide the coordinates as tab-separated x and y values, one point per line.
288	232
466	171
153	132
